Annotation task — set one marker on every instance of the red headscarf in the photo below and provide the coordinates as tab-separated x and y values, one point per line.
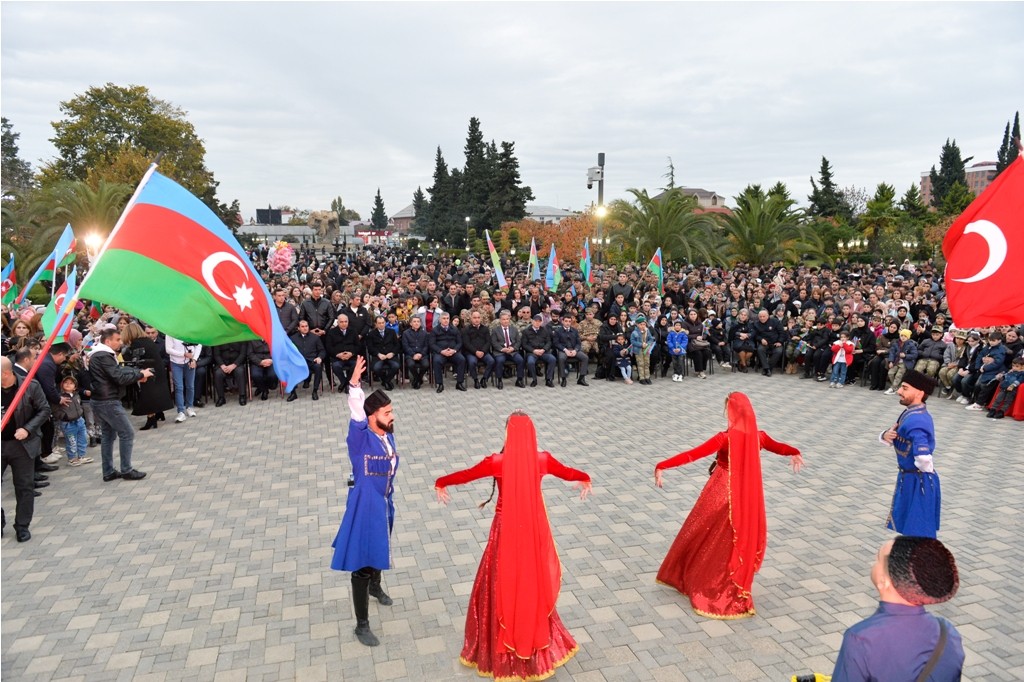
529	574
746	492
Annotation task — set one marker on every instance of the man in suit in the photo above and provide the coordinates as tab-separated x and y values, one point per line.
567	343
446	346
416	350
505	342
476	344
537	346
313	352
343	348
229	360
383	347
21	443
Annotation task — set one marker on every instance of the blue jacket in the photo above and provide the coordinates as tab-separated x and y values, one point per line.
677	341
908	347
1011	380
990	370
635	345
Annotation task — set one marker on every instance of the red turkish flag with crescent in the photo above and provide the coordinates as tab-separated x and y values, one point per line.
984	250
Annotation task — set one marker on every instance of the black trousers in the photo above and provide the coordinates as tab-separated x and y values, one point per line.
263	378
23	475
219	379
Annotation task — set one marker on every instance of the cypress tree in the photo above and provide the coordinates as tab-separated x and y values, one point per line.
378	217
951	171
475	177
419	210
508	199
826	200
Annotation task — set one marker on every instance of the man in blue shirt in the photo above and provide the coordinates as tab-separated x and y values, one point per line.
901	640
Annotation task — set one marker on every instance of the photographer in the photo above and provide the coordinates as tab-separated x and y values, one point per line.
108	381
152	397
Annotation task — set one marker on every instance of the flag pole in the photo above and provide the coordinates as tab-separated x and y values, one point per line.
70	305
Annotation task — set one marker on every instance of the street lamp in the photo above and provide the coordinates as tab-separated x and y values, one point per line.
467	233
597	173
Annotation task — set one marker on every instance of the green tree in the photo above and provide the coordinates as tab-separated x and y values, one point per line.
951	171
419	211
345	215
1008	151
476	178
508	197
670	175
16	172
379	218
956	200
513	238
439	212
880	217
779	191
764	230
669	221
913	205
826	200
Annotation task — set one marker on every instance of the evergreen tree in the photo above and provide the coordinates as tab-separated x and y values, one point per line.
1008	151
457	225
419	210
1014	140
16	172
438	214
379	218
670	175
951	171
779	191
507	201
880	216
475	177
913	205
826	200
956	200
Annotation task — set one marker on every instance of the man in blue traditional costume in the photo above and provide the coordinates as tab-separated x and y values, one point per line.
916	501
363	542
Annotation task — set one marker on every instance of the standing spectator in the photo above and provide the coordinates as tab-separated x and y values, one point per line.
286	311
312	350
47	376
21	443
316	311
108	381
154	396
71	417
842	354
641	343
183	370
677	341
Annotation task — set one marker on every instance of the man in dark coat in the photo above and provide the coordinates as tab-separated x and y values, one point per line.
47	375
416	351
769	341
229	360
537	346
286	312
567	343
261	368
343	348
21	443
505	343
476	344
445	344
383	347
316	310
312	350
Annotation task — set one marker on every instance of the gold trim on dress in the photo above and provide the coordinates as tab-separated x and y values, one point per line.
530	678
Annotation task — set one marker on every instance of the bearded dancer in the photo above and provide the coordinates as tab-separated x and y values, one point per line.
721	544
513	631
363	542
917	498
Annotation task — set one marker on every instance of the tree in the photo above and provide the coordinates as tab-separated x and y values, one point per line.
345	215
669	221
378	218
857	199
779	191
880	218
826	200
476	178
670	175
1008	151
762	230
438	215
951	171
913	205
956	200
419	211
16	172
507	201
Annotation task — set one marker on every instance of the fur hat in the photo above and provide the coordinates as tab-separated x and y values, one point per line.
375	401
922	570
920	381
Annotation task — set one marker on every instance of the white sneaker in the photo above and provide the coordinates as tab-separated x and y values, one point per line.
840	385
725	365
180	418
190	412
974	407
962	400
890	392
52	458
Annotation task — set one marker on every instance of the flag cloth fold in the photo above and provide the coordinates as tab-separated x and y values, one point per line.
534	262
984	249
64	292
655	267
9	284
63	253
588	275
496	261
553	274
172	263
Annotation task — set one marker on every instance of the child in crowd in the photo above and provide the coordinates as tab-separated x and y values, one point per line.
620	350
642	345
842	355
1007	391
677	340
70	415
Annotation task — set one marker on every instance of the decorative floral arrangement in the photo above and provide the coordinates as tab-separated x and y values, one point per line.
281	257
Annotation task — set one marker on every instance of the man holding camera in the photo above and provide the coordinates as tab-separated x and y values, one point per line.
108	381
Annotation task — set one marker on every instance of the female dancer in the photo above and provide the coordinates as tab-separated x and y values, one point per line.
513	631
721	544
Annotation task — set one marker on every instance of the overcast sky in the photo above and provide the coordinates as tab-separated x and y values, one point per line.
300	102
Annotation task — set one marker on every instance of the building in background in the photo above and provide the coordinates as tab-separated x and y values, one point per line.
979	176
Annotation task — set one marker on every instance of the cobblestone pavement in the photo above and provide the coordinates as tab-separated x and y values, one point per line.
215	567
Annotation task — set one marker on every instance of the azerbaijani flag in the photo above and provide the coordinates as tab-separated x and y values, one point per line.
534	263
554	274
588	275
63	253
171	262
496	261
655	267
64	292
9	285
95	310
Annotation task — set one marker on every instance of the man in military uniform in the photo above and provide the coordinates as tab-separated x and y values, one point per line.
589	328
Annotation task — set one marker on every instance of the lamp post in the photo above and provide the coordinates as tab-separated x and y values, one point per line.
596	173
467	233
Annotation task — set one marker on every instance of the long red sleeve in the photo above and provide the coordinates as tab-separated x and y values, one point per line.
711	446
771	445
556	468
482	470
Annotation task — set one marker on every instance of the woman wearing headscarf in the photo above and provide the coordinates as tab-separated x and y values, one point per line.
721	544
513	631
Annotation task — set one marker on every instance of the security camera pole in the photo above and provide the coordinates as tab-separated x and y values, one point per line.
597	173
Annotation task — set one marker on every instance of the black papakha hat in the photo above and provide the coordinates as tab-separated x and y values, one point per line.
922	570
375	401
920	381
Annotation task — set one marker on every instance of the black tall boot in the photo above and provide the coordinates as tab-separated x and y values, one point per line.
377	592
361	604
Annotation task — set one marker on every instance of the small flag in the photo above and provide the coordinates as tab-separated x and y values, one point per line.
588	275
65	247
534	263
553	273
9	285
496	261
655	267
984	280
65	292
95	310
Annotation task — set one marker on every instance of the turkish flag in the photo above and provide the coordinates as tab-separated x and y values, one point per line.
984	252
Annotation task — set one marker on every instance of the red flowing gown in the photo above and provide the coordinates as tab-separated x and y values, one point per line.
482	648
697	564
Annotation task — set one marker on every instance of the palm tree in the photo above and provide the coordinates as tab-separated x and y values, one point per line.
668	221
764	229
91	209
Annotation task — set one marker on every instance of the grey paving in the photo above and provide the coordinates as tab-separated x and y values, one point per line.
216	566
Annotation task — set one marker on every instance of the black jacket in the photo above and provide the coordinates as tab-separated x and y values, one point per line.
108	377
336	342
771	331
442	338
358	320
317	313
47	375
606	335
30	414
566	339
309	345
289	317
476	339
375	344
231	353
534	339
257	351
414	341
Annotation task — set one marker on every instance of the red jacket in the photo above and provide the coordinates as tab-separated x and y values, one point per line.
847	346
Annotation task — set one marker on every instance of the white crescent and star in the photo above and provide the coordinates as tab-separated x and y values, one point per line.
243	295
996	241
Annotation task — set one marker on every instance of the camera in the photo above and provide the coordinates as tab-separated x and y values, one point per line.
135	357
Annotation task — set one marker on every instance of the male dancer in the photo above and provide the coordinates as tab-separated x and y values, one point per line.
916	501
363	542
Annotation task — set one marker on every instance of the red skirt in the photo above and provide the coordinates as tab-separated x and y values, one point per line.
483	650
697	564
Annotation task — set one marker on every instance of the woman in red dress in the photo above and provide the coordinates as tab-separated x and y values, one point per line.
721	544
513	631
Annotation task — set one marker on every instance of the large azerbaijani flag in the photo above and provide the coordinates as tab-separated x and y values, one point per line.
553	274
173	263
9	284
655	267
502	284
534	262
64	292
63	253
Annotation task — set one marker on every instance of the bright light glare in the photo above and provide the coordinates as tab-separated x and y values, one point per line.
601	211
93	241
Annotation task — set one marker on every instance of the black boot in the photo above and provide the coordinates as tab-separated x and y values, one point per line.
361	603
150	423
377	592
